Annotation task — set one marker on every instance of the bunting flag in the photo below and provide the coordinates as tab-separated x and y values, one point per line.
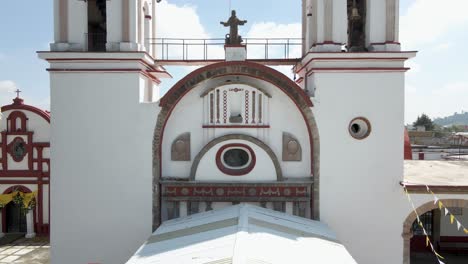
25	198
447	213
453	218
428	240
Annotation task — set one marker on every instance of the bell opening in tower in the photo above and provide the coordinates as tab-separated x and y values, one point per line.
97	25
356	26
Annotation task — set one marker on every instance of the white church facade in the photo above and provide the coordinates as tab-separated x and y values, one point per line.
327	146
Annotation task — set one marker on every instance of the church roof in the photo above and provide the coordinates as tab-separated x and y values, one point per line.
18	104
439	175
242	234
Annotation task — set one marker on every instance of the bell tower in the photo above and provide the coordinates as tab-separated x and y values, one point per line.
354	71
104	83
350	25
104	25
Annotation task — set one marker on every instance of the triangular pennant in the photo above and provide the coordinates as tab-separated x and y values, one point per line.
465	230
440	205
458	225
437	254
427	188
452	218
446	212
436	199
427	241
440	262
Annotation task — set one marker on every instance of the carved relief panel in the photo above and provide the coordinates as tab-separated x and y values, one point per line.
180	149
292	150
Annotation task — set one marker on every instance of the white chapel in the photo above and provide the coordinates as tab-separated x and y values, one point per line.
236	163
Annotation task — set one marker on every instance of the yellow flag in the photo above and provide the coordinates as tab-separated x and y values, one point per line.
440	205
28	197
452	218
5	199
465	230
437	254
427	241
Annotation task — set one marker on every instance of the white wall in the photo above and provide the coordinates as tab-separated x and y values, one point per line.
360	195
101	179
283	114
264	169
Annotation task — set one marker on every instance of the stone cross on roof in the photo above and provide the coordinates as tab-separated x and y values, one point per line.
17	93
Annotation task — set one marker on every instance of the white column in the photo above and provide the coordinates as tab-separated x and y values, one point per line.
1	225
30	224
182	209
289	208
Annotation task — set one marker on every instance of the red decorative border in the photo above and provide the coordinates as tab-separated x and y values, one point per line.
11	150
43	114
232	172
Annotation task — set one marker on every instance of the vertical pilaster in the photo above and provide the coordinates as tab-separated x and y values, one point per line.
125	21
328	22
63	21
1	225
391	20
30	224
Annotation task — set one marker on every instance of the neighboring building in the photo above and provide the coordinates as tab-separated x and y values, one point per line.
328	147
25	166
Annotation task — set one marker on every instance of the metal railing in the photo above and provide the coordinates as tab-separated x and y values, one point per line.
213	49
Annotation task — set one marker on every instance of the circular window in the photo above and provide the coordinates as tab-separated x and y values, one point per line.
360	128
235	159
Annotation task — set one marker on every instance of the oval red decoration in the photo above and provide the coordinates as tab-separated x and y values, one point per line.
243	169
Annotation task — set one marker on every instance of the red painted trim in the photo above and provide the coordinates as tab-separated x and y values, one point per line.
145	73
234	172
11	189
11	122
237	126
196	72
20	188
350	59
104	59
300	80
2	181
23	173
148	17
4	152
193	74
41	144
41	113
355	69
408	154
384	43
11	150
87	52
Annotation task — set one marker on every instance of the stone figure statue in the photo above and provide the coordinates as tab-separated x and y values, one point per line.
233	37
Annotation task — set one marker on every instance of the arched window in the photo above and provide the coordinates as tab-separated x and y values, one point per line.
356	25
16	122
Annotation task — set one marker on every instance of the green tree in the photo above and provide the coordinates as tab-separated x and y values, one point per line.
425	121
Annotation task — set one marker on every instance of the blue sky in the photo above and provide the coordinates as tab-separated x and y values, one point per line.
436	85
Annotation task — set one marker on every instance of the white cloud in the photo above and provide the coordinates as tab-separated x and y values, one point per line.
182	22
7	89
442	47
7	86
273	30
426	21
440	102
